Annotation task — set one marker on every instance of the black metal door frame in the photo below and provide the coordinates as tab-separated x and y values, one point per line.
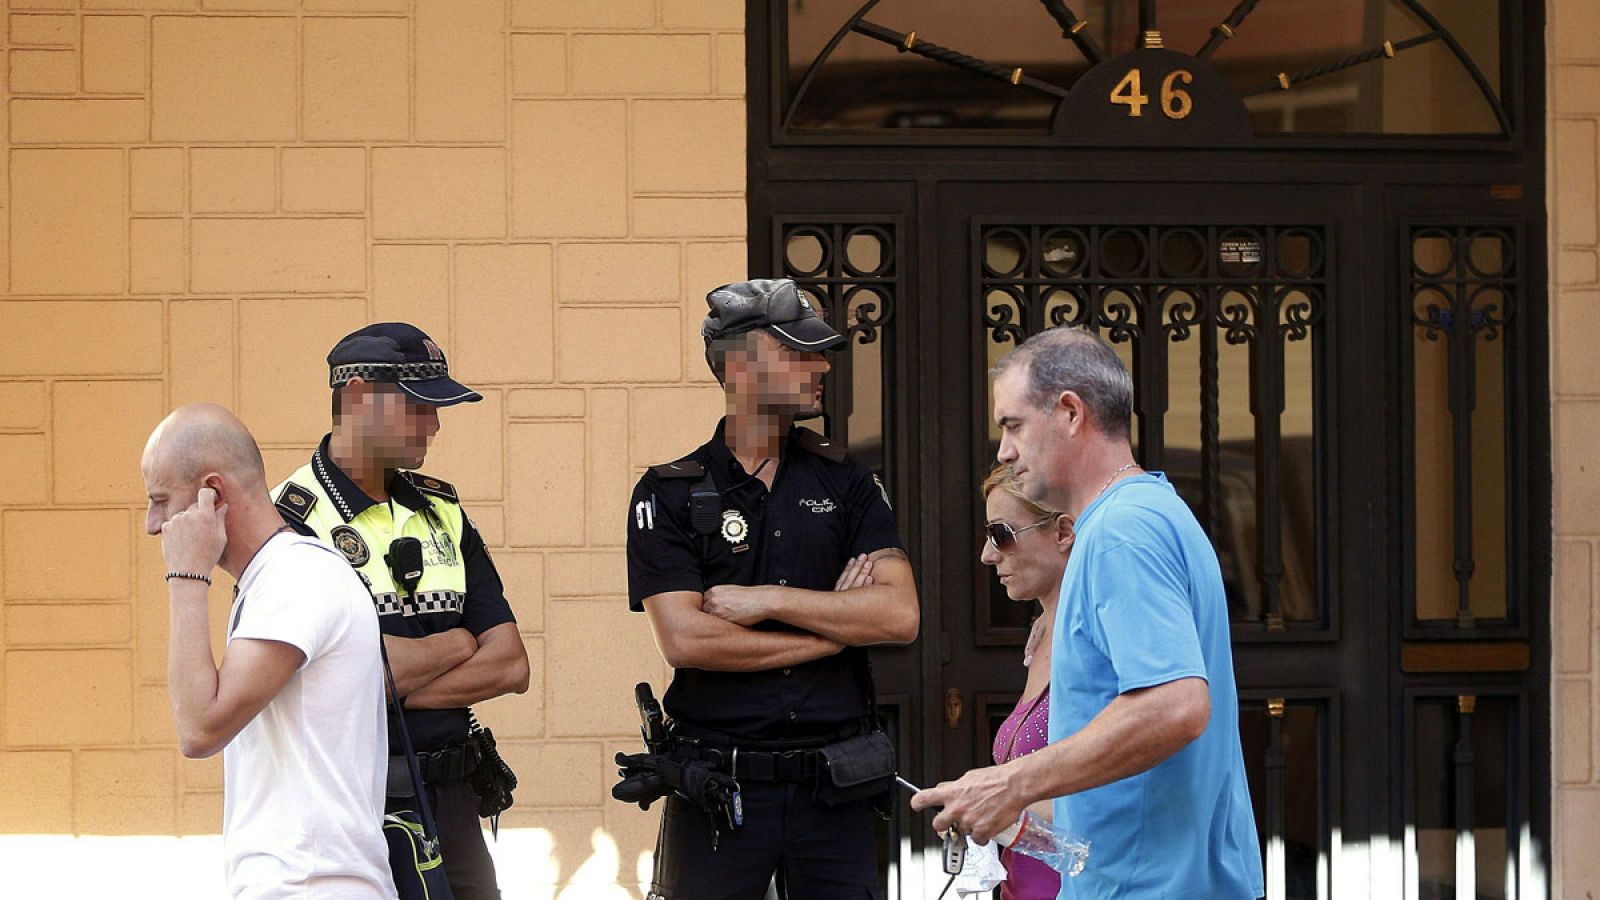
1336	665
1382	184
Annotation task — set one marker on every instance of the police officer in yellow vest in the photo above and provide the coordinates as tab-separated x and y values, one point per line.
451	638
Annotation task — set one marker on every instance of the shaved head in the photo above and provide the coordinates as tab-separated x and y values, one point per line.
202	438
203	449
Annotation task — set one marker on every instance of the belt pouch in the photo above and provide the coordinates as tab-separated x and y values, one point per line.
857	769
399	781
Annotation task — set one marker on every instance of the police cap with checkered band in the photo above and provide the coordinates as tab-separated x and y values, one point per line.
399	354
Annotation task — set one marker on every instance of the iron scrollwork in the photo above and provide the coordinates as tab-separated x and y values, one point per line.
1299	310
1120	314
1461	300
1183	311
1066	306
1152	287
1236	316
1004	311
858	292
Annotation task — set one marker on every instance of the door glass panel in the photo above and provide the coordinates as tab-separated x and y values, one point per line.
1220	328
804	253
1433	822
848	272
865	420
1287	767
1460	812
1345	67
1462	291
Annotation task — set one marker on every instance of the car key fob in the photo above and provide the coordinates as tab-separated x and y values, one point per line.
955	851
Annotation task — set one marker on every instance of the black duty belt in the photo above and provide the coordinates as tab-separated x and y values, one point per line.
758	766
453	763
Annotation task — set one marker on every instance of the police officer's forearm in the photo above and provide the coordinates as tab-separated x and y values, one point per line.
498	665
860	617
726	647
416	662
883	612
691	638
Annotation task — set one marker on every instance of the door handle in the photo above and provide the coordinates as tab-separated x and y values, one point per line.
953	707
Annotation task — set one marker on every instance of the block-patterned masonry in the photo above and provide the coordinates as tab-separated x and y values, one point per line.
198	196
1575	381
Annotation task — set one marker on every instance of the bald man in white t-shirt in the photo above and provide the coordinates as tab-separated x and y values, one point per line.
297	706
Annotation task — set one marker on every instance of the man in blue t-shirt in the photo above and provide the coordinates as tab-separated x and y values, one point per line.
1144	760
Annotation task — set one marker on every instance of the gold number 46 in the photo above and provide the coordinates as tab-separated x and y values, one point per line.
1175	101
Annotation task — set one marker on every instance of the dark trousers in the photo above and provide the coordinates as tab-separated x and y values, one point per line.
817	852
467	863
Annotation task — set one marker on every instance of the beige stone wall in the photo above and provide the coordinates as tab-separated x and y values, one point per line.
1575	424
200	196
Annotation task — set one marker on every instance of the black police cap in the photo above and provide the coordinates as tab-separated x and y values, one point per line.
774	304
401	354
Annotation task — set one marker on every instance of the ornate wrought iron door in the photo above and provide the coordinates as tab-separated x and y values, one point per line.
1334	316
1265	374
1222	307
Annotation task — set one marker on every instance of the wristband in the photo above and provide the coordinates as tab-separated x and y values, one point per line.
192	576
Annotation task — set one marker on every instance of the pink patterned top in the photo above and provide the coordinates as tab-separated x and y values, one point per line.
1027	729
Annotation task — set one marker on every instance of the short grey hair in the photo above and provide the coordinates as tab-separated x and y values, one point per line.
1078	360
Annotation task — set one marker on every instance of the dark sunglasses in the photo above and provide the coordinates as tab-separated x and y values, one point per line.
1003	537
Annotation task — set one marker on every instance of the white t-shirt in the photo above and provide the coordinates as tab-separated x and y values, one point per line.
302	806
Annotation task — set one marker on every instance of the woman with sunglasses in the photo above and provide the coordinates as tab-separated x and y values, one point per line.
1027	543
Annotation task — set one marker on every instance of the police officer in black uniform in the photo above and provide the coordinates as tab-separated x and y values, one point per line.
449	632
767	561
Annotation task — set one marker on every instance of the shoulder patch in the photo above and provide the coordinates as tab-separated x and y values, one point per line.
295	502
430	485
683	468
825	447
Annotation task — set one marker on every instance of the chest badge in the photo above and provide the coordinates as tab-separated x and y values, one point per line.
348	541
734	528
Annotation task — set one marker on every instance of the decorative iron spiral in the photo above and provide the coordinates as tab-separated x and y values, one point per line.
1119	315
1003	320
867	317
1181	312
1237	314
1300	309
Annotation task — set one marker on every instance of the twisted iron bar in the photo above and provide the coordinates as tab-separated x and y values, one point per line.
1284	81
910	43
1225	30
1072	28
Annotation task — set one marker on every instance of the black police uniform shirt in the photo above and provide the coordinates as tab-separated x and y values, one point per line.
824	508
485	605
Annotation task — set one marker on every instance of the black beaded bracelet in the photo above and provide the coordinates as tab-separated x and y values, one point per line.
192	576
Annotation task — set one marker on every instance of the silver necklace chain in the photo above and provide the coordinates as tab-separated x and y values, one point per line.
1107	485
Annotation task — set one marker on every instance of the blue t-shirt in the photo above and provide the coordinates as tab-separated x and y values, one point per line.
1142	604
